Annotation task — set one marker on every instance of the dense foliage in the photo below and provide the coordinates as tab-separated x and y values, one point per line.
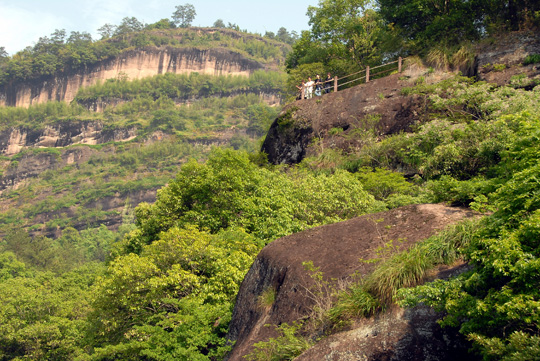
496	304
348	35
183	87
428	23
169	287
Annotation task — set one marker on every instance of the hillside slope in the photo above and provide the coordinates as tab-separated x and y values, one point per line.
83	146
383	106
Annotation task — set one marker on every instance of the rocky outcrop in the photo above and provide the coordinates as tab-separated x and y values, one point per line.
376	106
500	60
134	64
13	140
33	164
337	250
397	335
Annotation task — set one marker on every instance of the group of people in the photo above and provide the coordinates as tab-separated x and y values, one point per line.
317	86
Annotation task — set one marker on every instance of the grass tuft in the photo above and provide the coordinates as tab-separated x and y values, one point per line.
531	59
354	303
438	58
463	59
267	298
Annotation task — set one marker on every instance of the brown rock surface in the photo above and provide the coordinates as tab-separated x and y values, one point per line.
397	335
336	249
375	106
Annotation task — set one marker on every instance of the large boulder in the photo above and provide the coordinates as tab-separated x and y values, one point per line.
337	250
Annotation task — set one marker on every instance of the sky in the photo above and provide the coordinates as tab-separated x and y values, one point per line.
23	22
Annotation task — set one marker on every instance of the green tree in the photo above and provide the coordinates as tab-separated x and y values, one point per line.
424	23
230	191
219	24
128	25
3	54
184	15
351	28
162	24
176	295
286	37
43	316
106	31
10	266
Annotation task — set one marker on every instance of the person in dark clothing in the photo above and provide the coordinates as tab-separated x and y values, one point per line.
318	85
328	83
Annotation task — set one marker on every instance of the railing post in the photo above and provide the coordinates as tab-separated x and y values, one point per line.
399	65
367	74
335	84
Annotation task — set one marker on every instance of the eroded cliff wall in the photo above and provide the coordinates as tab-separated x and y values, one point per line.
133	65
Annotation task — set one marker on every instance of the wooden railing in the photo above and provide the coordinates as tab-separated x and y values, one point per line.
368	74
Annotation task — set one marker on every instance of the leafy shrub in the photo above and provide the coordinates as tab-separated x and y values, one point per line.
335	131
286	346
382	183
178	291
499	67
531	59
229	190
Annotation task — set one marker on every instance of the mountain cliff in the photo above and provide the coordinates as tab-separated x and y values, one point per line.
134	64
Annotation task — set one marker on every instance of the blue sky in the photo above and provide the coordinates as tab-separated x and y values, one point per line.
23	22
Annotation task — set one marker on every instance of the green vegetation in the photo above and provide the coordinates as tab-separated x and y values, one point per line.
347	36
531	59
149	104
163	285
182	87
475	147
122	170
267	298
284	347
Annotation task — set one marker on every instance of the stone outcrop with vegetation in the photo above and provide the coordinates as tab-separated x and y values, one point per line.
341	252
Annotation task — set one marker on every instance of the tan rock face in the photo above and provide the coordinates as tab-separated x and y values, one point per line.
16	142
13	140
131	65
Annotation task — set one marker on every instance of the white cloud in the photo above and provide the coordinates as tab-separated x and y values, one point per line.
100	12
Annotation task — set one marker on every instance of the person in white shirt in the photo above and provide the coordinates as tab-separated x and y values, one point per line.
309	88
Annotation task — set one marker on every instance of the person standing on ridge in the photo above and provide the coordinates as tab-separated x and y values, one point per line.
328	83
309	88
302	90
318	85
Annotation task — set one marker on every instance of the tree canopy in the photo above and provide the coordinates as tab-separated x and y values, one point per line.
184	15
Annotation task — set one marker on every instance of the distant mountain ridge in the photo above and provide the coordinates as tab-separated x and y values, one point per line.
202	50
134	64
